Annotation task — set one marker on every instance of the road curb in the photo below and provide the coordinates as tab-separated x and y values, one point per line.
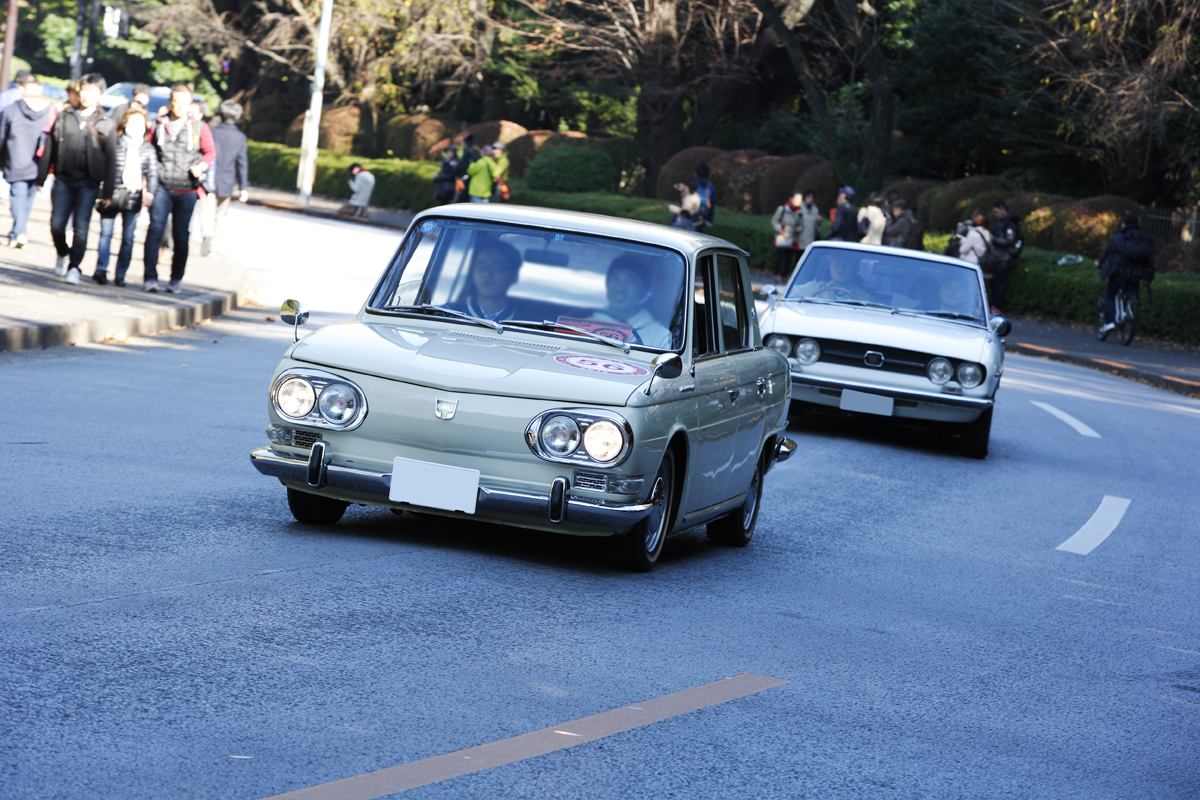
291	208
1176	385
178	315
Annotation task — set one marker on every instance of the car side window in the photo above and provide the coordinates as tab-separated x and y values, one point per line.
703	333
731	304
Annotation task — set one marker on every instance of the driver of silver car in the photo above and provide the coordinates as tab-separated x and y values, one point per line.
844	281
627	287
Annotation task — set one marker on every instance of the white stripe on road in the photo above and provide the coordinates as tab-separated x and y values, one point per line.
1106	519
1067	418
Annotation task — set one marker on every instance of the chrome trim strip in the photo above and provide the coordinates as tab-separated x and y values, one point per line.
958	401
715	510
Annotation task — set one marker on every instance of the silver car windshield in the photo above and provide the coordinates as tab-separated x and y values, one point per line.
901	283
623	291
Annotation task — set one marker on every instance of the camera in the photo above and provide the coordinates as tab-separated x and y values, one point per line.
962	228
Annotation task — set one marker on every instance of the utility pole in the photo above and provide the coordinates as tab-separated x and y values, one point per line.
312	117
77	52
10	43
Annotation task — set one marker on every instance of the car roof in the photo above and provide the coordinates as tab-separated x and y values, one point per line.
903	252
583	222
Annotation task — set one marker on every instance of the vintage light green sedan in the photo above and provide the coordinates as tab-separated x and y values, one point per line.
551	370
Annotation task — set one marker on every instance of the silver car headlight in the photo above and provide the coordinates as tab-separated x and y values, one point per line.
295	398
782	344
939	370
560	435
337	403
808	351
970	375
603	441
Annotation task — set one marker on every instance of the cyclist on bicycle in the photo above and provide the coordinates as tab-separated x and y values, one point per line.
1126	257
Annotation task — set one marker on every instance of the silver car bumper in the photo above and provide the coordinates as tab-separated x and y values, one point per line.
934	398
556	507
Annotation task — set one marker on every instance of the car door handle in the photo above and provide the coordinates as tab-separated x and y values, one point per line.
733	395
761	383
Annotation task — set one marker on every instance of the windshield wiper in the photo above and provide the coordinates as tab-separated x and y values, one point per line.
951	315
432	309
827	301
547	324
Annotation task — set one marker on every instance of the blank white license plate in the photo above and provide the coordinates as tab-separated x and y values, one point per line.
421	483
866	403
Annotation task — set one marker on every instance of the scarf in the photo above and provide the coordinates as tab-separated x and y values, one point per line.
131	174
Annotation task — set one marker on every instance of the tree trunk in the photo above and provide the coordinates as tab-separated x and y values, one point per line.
882	117
660	103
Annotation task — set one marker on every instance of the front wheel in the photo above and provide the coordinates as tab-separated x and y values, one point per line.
1128	324
975	436
1101	334
638	549
313	509
737	529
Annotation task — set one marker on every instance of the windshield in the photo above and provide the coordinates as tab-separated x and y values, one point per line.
898	282
511	275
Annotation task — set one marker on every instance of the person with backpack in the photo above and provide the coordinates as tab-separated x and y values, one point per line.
900	228
704	188
24	130
976	245
81	143
1006	238
1126	261
872	220
845	220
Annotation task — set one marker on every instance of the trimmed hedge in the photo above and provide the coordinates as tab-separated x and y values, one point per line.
950	204
782	180
722	168
1085	227
572	169
681	168
398	184
745	186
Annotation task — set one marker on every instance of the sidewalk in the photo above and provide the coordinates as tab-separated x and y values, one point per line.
327	208
39	309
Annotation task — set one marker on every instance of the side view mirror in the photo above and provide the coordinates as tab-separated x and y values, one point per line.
769	289
667	365
1000	326
293	313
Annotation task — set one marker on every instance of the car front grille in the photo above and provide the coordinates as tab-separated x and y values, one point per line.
854	354
305	439
591	481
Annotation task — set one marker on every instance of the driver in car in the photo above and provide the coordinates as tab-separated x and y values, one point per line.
495	267
955	295
843	284
628	287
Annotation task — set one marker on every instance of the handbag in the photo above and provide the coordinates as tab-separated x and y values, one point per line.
783	240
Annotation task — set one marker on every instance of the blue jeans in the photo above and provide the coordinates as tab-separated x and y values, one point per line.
179	207
1110	295
104	248
475	199
21	195
69	198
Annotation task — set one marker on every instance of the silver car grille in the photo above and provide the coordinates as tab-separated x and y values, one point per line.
591	481
305	439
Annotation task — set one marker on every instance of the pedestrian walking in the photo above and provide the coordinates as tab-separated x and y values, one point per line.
900	228
1006	238
231	170
785	222
24	131
131	184
185	150
443	181
482	177
140	98
81	143
845	220
362	184
872	220
9	96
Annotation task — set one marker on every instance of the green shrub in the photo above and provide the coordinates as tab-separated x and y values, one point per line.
822	180
952	203
572	169
910	191
1038	227
522	150
1025	203
681	168
925	202
337	132
398	184
410	136
1086	226
780	181
722	168
745	184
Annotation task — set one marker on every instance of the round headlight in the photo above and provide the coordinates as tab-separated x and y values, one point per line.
560	435
603	440
939	371
295	398
337	403
780	343
808	351
970	375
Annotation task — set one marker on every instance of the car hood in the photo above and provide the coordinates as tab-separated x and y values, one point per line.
460	359
874	326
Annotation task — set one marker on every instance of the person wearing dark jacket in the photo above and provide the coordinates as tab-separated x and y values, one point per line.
845	221
1006	238
443	182
186	151
232	178
467	155
24	130
133	174
81	143
1114	265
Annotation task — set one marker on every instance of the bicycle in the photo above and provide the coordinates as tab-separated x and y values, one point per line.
1126	314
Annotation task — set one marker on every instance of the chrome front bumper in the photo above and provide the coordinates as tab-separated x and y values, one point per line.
934	398
556	507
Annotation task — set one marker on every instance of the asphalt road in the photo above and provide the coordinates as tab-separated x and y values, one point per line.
167	630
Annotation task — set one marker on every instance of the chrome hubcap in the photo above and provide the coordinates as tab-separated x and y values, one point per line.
657	519
751	504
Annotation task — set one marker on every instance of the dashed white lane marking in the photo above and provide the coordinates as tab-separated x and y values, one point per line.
1106	519
1067	418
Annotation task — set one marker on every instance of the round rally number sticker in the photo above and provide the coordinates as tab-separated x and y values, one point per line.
602	365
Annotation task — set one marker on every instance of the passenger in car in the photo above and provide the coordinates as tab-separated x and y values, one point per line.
628	288
495	267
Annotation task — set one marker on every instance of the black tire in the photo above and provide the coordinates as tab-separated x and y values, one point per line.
974	436
1101	334
737	529
313	509
1128	326
638	549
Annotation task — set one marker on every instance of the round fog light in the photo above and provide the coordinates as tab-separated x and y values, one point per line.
295	398
603	441
560	435
337	403
970	375
939	371
808	351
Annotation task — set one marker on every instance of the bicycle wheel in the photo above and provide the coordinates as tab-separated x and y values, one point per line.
1128	324
1101	334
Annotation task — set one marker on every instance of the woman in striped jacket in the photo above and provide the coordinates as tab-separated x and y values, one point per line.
130	185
